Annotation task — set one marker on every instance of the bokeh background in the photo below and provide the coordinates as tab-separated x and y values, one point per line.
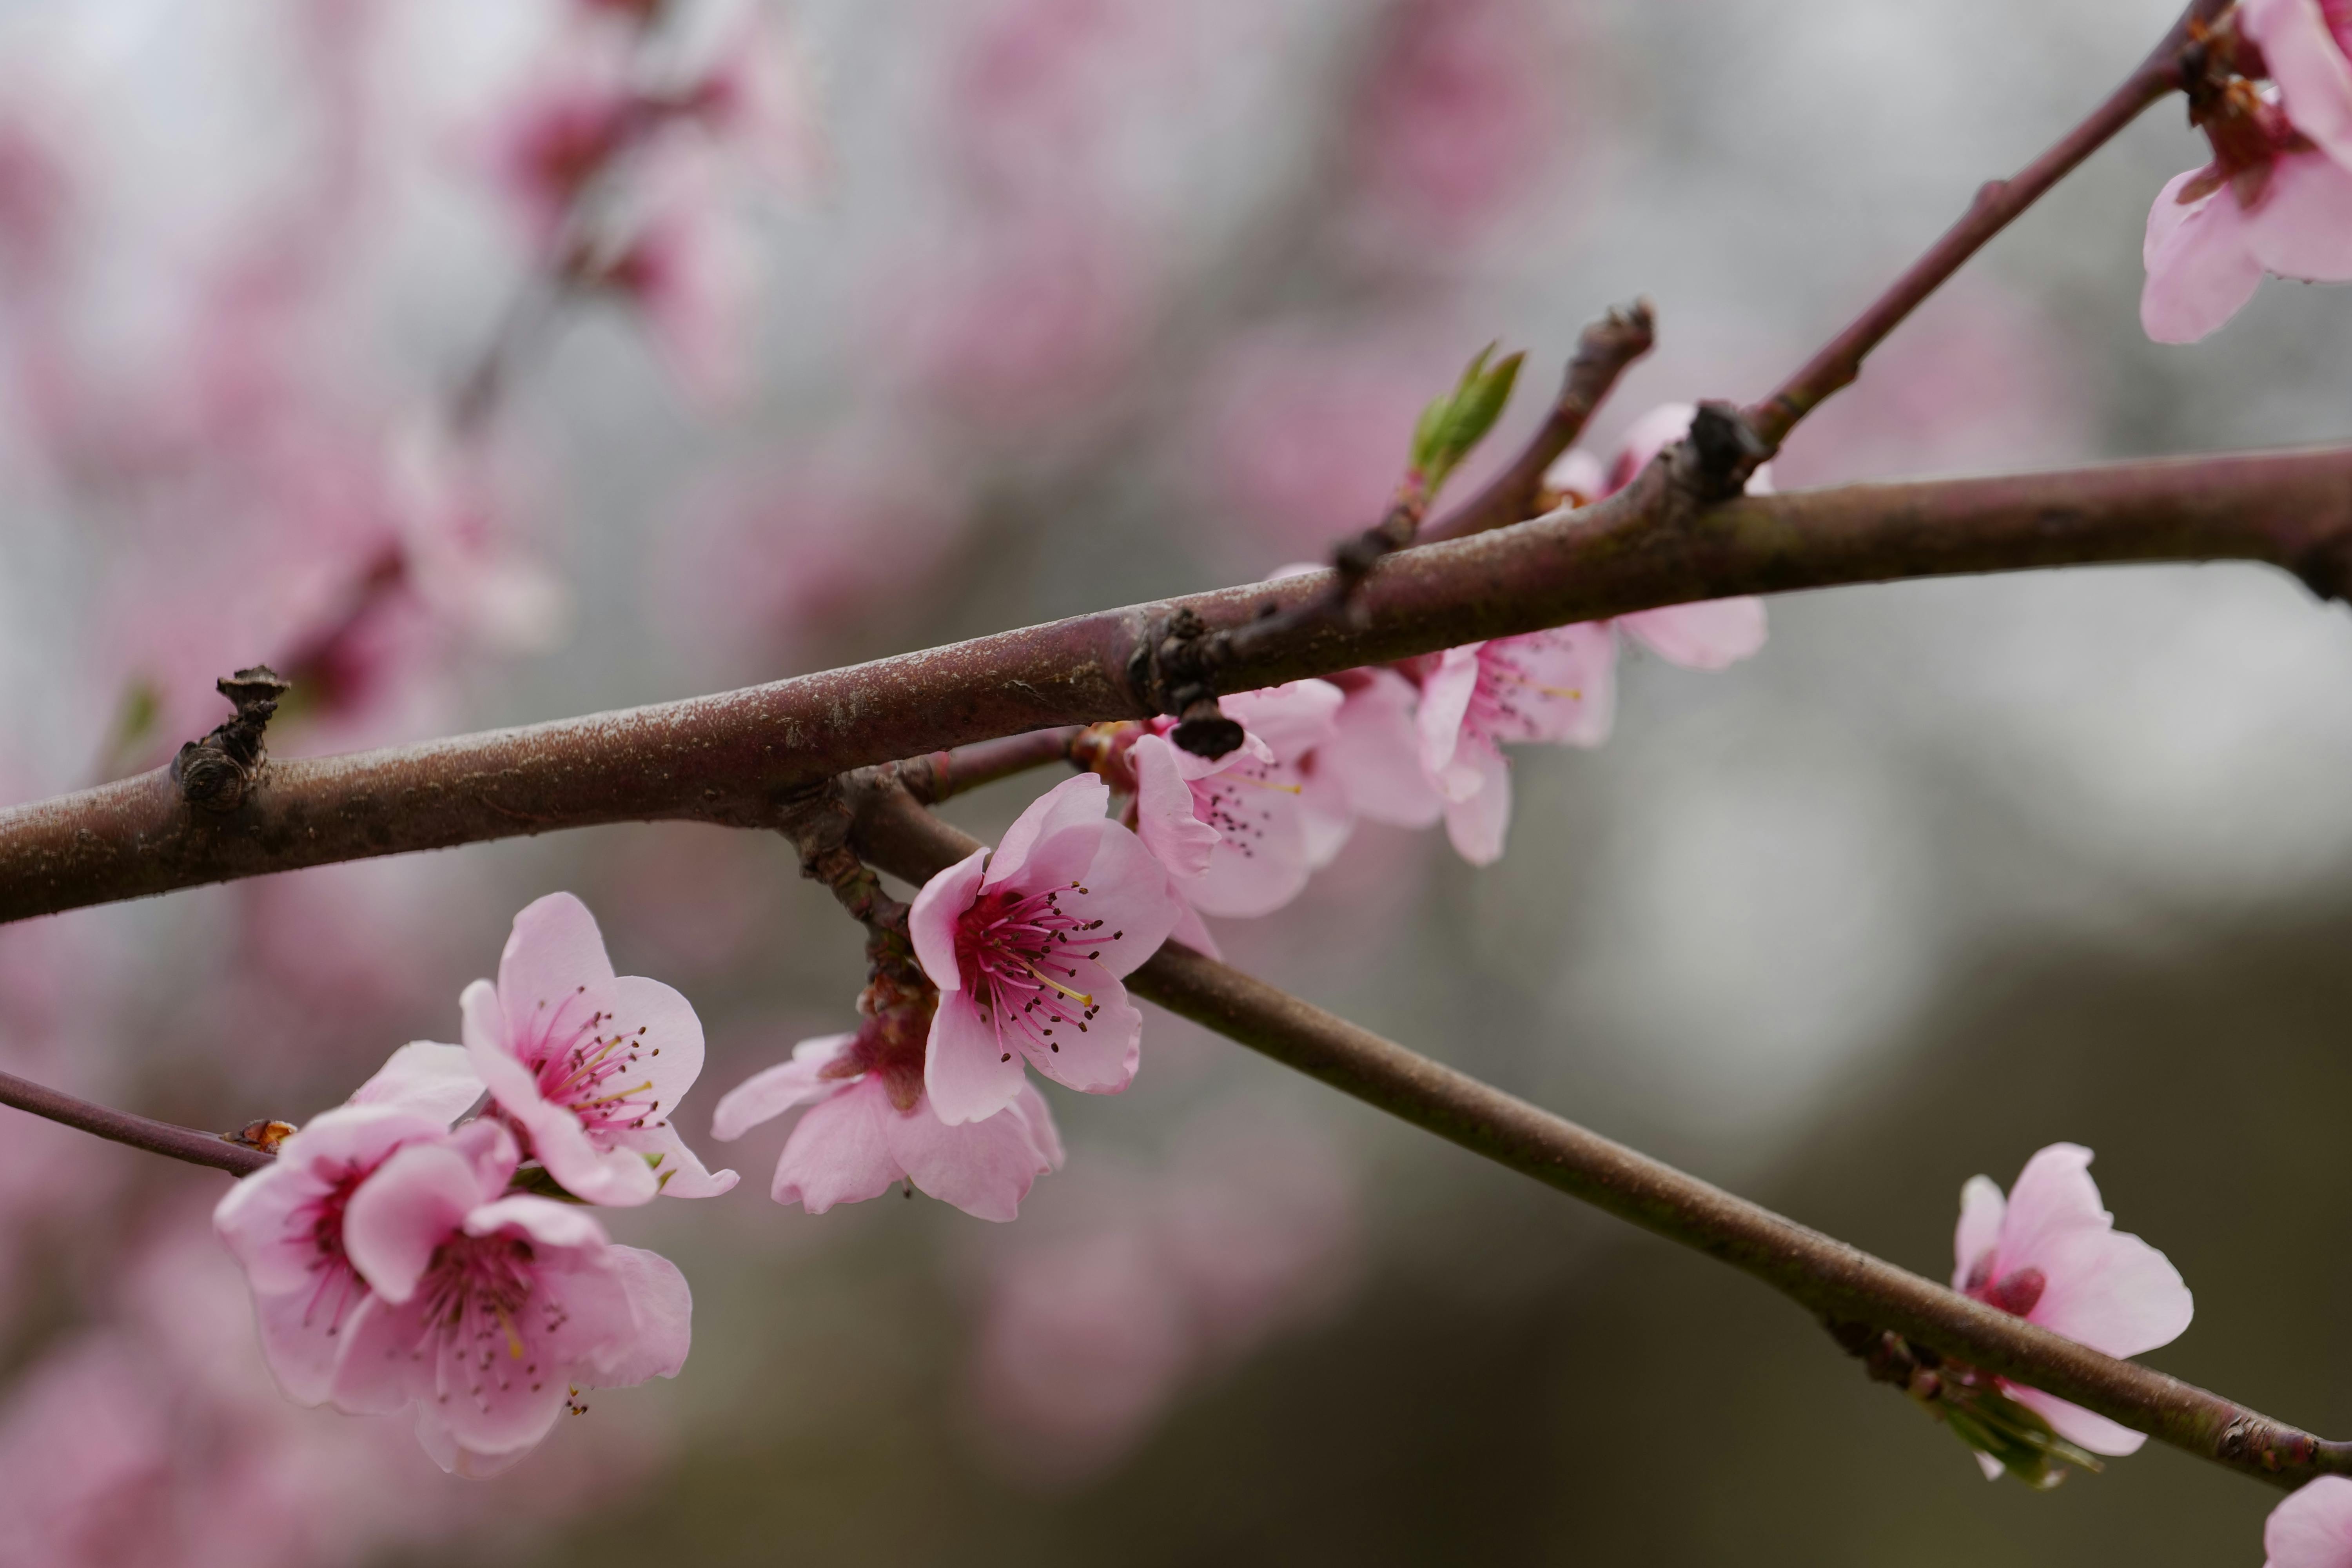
935	317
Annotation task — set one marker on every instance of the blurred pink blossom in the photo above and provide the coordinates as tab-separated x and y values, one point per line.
2050	1254
869	1124
588	1065
555	140
491	1314
2313	1528
1027	945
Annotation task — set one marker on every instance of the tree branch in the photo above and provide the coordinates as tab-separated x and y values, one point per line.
1998	203
726	758
1828	1277
217	1150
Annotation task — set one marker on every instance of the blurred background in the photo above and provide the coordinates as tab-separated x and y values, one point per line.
482	364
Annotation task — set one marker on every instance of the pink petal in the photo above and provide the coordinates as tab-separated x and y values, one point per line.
489	1046
932	918
1031	1107
840	1153
664	1026
555	948
1164	818
2078	1425
1565	683
677	1169
415	1202
983	1168
1262	861
1193	932
264	1220
1292	719
543	1221
768	1094
2313	1528
1978	1232
1100	1060
2302	228
1080	799
2053	1197
2201	268
433	1081
1445	694
615	1177
302	1331
2314	78
2110	1291
1580	474
371	1375
1375	752
968	1072
1126	889
1477	822
661	1311
1647	437
1708	635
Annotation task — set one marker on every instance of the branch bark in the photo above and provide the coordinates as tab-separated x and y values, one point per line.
189	1143
1828	1277
726	758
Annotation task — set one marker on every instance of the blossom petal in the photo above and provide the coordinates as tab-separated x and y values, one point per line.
1164	816
266	1220
302	1331
678	1171
2110	1291
968	1072
840	1153
1080	798
985	1168
416	1200
768	1094
1374	752
1445	694
2201	268
2302	228
1477	822
2313	1528
1708	635
1031	1107
660	1027
932	918
2315	79
2052	1197
543	1221
1292	719
371	1375
1193	932
555	948
431	1080
1978	1232
2076	1425
661	1309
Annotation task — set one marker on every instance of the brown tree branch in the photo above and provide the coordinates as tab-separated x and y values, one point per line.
2168	68
220	1150
1835	1281
726	758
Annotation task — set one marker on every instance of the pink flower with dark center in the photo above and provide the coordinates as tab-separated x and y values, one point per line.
869	1124
284	1224
1027	945
1238	833
493	1314
2048	1253
2313	1528
586	1066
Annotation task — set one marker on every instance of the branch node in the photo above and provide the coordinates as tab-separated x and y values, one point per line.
1176	672
217	771
2326	568
1722	450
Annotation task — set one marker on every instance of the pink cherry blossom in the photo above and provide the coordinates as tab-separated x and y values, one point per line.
2304	45
2313	1528
552	144
587	1066
1027	946
284	1224
690	274
491	1314
2208	248
1557	687
869	1124
425	1079
1369	765
2050	1254
1237	833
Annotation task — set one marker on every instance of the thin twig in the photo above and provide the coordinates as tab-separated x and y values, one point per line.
1826	1276
726	758
189	1143
940	775
1603	352
1997	204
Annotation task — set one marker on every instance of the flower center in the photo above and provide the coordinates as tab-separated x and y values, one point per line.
2015	1293
338	1284
1014	950
474	1302
591	1067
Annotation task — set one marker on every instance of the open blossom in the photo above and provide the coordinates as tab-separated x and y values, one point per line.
2050	1254
2313	1528
1238	833
284	1224
2277	196
588	1067
870	1124
1027	945
492	1314
1557	686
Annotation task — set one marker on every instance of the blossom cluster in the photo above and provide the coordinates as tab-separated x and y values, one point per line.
402	1253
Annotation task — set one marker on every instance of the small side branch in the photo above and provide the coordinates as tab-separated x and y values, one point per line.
1997	205
222	1152
1828	1277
